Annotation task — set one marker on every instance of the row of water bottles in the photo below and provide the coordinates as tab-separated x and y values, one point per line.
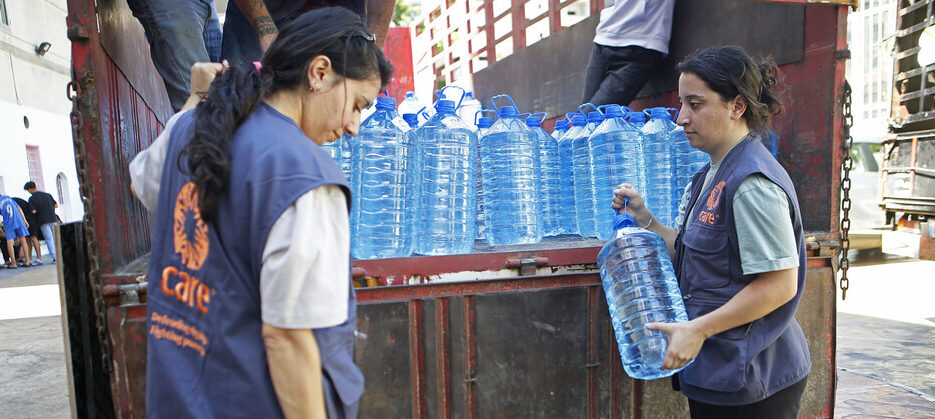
611	145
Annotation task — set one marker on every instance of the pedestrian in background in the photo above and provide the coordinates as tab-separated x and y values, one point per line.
629	42
14	227
45	207
34	232
738	248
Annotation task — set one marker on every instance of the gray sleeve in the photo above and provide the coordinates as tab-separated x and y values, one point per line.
683	208
762	217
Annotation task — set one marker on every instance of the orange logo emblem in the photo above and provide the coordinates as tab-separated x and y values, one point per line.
715	196
190	231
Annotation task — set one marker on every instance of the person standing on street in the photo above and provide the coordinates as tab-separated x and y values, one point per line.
45	207
15	228
33	239
738	248
629	42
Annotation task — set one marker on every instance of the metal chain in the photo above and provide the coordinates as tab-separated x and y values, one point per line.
846	164
73	92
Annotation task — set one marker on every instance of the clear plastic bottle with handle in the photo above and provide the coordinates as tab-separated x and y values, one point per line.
382	160
616	157
509	166
446	212
550	193
581	158
579	122
641	287
658	161
482	123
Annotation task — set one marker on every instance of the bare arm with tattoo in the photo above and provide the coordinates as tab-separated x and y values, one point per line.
256	13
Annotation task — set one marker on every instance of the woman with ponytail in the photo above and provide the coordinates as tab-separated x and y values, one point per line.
737	248
251	309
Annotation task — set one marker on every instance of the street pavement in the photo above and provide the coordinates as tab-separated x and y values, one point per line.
885	342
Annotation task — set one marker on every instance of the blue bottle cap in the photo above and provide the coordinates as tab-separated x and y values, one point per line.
578	120
410	95
613	111
533	122
563	124
508	112
484	122
636	117
411	119
623	221
469	95
595	116
386	103
445	106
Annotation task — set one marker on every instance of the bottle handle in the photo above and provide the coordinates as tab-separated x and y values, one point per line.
540	115
441	94
481	112
626	108
675	116
589	104
497	108
571	115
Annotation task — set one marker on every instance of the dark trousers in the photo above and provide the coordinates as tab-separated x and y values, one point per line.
782	405
616	74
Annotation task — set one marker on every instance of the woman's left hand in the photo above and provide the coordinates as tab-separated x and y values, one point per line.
685	340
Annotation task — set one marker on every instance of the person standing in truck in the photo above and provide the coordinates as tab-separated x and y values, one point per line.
630	41
250	26
737	246
252	312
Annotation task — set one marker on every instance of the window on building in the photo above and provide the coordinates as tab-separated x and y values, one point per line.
4	20
35	166
876	29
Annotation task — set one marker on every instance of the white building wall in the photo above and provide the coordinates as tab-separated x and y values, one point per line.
33	86
870	70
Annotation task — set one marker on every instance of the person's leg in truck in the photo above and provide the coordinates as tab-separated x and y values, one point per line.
180	33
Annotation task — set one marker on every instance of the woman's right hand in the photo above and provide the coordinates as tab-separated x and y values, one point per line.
636	206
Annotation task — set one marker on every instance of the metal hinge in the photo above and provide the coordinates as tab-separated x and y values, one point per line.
527	266
127	294
77	31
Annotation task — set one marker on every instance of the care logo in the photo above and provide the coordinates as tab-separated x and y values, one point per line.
190	234
191	246
710	216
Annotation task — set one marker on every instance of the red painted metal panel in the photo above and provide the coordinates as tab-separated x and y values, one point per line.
470	357
417	358
443	347
398	49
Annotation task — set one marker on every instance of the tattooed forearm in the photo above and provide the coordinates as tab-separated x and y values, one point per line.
265	26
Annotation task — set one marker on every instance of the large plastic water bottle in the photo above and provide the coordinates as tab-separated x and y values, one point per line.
637	119
616	157
468	109
686	160
482	123
447	207
550	181
382	158
510	166
584	187
641	287
658	190
579	122
561	127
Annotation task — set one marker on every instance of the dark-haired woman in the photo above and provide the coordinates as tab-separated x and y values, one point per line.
737	247
251	311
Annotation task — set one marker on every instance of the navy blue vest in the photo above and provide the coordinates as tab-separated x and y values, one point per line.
750	362
206	356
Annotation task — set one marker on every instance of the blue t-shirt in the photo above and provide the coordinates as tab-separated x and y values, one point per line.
10	211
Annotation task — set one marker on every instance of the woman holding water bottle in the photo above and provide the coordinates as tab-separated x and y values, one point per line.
737	247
